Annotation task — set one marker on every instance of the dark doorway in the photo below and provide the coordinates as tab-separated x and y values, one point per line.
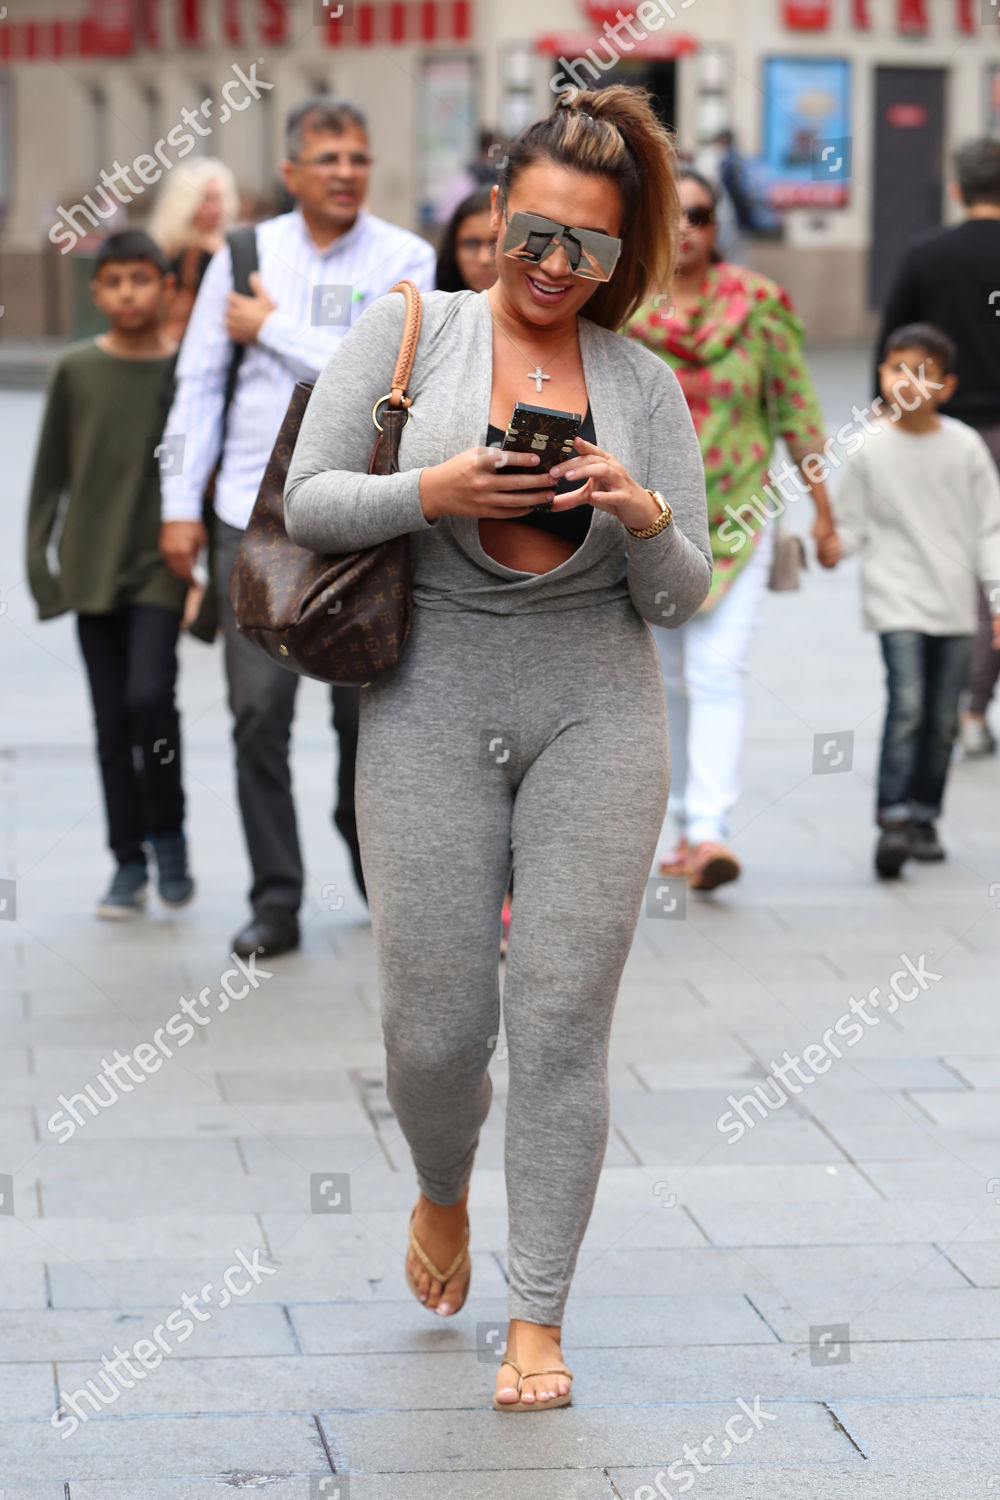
909	166
660	77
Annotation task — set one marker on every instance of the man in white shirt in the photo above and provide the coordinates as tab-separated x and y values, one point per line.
320	266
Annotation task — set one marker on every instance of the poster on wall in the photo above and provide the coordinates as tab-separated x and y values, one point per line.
993	101
807	131
446	129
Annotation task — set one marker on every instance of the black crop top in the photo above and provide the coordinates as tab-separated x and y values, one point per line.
571	524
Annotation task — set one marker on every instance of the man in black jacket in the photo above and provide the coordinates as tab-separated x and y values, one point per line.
951	278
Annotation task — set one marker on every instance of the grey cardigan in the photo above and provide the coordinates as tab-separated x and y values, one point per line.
333	505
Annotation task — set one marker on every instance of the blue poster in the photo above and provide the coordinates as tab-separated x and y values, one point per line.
807	130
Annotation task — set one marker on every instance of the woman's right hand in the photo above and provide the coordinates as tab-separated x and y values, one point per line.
485	483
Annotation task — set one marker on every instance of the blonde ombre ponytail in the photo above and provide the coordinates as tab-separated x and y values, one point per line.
614	132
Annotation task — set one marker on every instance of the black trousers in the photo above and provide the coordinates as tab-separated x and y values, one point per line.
262	701
131	660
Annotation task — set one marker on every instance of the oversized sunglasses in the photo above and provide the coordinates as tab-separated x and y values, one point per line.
698	216
532	237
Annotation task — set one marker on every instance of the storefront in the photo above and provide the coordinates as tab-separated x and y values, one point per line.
848	109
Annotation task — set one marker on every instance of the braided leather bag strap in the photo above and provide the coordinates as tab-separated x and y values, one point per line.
408	346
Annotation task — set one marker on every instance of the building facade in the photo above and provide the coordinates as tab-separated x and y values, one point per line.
848	110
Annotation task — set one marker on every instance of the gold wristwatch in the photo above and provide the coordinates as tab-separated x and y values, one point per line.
665	518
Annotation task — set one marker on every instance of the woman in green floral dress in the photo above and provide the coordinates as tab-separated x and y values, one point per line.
735	344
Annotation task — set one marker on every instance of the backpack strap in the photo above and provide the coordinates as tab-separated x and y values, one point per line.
243	250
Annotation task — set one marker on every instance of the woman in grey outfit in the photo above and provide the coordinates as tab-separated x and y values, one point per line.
526	726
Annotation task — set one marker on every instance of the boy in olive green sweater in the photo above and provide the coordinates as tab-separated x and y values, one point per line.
96	482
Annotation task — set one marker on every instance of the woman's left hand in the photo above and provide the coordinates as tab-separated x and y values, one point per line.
607	486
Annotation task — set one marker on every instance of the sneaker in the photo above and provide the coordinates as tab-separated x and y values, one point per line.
924	843
126	895
976	736
174	879
893	850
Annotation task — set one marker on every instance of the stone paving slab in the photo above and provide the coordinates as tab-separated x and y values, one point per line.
17	1127
787	1139
87	1334
25	1390
854	1223
900	1313
107	1448
22	1285
383	1381
82	1239
638	1217
583	1434
601	1322
915	1142
289	1085
971	1108
536	1484
856	1481
981	1263
860	1273
370	1272
956	1429
978	1072
27	1490
954	1174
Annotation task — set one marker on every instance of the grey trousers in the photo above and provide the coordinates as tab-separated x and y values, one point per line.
538	741
262	702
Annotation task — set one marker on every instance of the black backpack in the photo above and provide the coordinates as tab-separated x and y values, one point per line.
243	250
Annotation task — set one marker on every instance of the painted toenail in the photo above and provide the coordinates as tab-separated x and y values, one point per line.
443	1307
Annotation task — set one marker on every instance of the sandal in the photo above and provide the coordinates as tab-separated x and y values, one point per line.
535	1405
443	1276
677	861
712	865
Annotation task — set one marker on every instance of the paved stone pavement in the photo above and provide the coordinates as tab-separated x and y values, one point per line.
811	1309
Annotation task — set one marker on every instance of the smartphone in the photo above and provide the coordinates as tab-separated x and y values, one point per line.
541	430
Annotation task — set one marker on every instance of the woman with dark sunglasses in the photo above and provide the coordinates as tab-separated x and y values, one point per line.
467	259
733	340
525	727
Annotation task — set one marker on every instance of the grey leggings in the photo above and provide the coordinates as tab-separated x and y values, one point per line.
539	739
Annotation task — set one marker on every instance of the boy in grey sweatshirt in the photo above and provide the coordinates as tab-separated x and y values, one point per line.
920	500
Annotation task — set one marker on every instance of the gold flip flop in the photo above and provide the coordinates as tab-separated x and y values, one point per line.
536	1405
443	1276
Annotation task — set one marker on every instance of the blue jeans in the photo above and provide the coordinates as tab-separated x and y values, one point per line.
925	675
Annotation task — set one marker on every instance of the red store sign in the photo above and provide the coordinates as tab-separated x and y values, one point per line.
913	18
807	15
117	28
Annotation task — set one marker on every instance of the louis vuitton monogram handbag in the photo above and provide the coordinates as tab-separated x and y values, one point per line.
341	619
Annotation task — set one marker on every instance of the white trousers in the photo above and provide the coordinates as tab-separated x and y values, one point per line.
704	667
